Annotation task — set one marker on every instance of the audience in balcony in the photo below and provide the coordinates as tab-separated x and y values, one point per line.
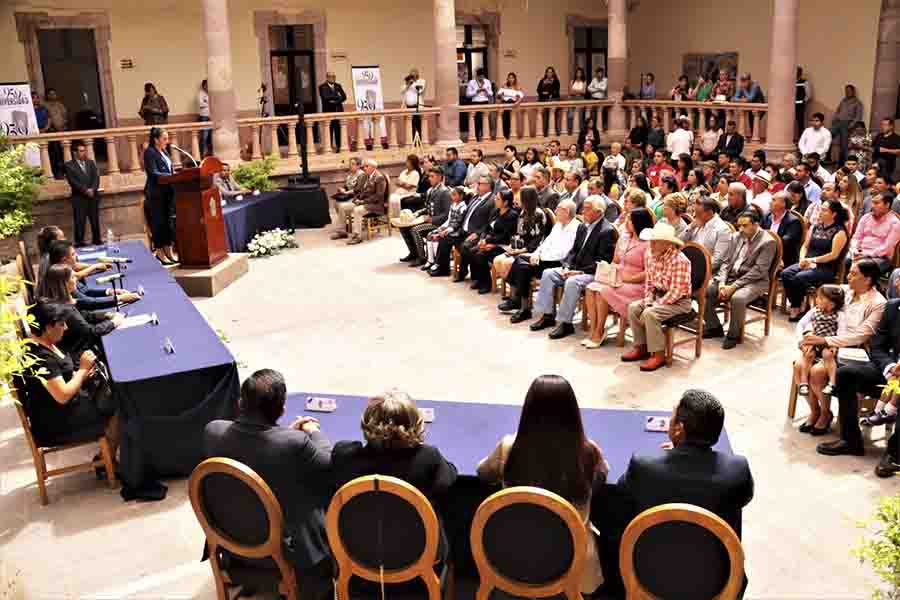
787	225
154	109
741	279
681	90
550	450
648	87
548	90
703	90
598	88
510	93
748	91
480	91
723	89
295	462
625	285
577	91
820	255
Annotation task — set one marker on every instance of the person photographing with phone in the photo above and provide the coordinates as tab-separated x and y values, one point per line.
413	96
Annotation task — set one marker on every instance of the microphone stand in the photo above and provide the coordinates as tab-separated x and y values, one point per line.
304	159
115	295
185	153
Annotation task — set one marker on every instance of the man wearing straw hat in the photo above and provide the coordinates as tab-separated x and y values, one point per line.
667	293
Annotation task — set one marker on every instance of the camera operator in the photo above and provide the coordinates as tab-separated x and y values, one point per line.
413	96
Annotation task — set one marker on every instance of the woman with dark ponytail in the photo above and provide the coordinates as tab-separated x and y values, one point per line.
159	198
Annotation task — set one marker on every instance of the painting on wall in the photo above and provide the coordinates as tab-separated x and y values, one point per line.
695	65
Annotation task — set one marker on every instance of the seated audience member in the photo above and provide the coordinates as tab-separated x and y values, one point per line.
692	472
737	203
494	171
531	228
455	169
476	169
785	223
659	169
87	297
597	187
478	215
667	293
451	229
573	157
294	461
547	198
695	182
877	234
83	329
590	159
615	160
673	208
720	195
394	432
778	178
370	200
532	161
816	169
738	173
572	190
866	379
602	297
819	256
512	164
45	238
633	199
499	231
821	321
548	255
813	190
435	213
551	451
557	170
405	185
58	407
595	241
353	183
863	308
710	231
849	191
741	279
229	188
710	138
761	196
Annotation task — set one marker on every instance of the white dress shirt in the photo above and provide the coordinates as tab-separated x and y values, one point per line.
479	94
598	88
411	94
559	243
814	140
202	103
764	201
680	142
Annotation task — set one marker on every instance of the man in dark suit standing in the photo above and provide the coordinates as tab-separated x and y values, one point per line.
731	141
294	461
595	241
691	471
867	379
474	223
333	98
84	179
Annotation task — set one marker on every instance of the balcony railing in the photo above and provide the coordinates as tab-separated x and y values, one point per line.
389	130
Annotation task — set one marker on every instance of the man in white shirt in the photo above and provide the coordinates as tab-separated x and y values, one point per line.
757	164
413	96
615	160
479	91
548	255
760	195
203	115
815	138
598	89
816	167
682	139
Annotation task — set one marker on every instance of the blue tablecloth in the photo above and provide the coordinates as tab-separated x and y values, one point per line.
166	399
284	208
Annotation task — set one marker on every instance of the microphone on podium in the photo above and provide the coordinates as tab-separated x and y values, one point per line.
113	259
108	278
186	153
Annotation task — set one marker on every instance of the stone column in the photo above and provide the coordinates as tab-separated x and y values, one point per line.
617	62
222	101
887	64
446	92
782	77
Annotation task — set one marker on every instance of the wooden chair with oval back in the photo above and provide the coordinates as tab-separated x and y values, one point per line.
528	542
383	530
373	221
681	551
692	322
244	526
765	304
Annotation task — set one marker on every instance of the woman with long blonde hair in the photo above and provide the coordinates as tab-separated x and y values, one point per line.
850	192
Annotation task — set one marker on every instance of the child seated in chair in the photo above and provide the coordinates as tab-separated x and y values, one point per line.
885	409
451	227
823	322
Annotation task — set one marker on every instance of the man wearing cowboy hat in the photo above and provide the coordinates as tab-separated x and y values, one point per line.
742	278
761	196
667	293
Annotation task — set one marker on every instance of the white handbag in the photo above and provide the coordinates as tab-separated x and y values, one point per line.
607	274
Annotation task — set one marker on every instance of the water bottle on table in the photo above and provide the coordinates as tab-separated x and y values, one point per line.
111	246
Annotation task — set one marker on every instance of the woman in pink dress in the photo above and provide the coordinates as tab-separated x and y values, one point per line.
601	298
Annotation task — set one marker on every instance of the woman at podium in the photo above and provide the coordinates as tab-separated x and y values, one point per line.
159	198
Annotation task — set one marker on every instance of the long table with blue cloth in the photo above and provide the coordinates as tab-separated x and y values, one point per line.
466	432
285	209
166	398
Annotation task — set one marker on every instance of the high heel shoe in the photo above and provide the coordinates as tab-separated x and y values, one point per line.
807	427
816	431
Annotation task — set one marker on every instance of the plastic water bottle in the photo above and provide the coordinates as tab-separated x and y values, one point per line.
111	247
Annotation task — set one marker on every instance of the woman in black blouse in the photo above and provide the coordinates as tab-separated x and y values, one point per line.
57	413
500	230
638	134
531	229
84	328
394	430
548	91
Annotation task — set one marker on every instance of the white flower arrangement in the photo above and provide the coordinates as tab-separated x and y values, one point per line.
270	243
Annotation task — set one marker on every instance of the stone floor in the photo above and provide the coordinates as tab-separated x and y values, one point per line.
352	320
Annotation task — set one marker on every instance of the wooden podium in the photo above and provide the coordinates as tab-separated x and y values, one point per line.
199	223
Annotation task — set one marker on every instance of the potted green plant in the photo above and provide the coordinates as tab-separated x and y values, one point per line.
19	186
881	549
255	175
15	355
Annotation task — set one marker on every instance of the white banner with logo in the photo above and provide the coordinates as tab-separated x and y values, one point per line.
368	94
17	117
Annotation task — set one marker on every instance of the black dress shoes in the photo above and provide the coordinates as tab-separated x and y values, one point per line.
439	273
475	285
839	448
544	322
562	330
523	314
416	263
458	279
887	466
484	290
509	305
709	334
728	343
407	258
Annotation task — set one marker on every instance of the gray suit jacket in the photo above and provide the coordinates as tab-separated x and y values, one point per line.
754	269
437	204
547	198
228	187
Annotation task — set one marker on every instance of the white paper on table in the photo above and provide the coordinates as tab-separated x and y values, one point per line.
135	321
